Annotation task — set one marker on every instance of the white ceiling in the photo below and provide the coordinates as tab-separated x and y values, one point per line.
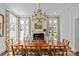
27	9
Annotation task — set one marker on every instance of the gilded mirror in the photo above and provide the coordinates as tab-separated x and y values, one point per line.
1	25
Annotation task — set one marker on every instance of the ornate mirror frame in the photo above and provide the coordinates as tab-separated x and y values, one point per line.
1	25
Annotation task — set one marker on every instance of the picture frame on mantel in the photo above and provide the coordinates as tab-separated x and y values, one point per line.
1	25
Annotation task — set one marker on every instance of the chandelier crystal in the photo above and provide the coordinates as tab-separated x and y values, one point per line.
39	14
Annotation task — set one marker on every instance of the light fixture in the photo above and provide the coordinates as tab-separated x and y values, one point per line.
39	14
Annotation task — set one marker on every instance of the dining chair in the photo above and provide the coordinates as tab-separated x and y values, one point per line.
44	50
64	40
59	50
51	50
31	50
17	50
67	42
67	47
62	50
13	52
34	50
56	50
26	50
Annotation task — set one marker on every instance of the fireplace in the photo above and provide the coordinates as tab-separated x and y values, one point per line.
38	36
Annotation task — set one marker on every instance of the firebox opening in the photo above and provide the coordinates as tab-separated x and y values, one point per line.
38	36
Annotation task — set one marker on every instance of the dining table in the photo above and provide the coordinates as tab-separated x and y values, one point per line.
38	44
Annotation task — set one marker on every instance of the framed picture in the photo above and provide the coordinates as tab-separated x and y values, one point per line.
37	26
1	25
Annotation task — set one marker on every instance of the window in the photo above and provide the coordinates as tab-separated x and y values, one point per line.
13	27
53	28
24	28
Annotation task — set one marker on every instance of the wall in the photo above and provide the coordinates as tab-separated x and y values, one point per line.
3	39
76	18
69	26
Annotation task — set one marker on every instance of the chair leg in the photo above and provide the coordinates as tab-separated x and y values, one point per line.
62	53
26	52
54	52
66	52
23	52
50	53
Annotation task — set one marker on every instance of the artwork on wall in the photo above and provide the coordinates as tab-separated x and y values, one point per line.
38	26
1	25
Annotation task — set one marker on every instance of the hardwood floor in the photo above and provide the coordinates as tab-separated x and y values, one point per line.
69	54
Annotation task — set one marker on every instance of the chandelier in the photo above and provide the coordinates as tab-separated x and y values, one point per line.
39	14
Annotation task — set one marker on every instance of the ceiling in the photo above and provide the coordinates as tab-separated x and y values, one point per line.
27	9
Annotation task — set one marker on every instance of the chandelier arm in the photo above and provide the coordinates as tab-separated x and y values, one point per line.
40	14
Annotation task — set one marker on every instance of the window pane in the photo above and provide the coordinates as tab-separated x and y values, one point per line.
24	26
53	28
13	27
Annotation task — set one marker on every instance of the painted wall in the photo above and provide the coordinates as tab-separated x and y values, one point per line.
69	26
3	39
76	18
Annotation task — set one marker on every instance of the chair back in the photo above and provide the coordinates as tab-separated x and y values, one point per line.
13	52
64	40
67	42
59	50
17	49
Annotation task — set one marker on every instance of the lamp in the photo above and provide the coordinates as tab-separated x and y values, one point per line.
39	14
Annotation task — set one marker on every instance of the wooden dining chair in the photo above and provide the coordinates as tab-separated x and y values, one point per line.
26	50
67	47
13	52
64	40
17	50
67	42
52	50
31	50
59	50
56	50
44	50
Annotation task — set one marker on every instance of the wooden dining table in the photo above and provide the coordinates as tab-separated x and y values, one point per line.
38	44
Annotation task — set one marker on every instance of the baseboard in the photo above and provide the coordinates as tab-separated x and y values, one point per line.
3	53
72	51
